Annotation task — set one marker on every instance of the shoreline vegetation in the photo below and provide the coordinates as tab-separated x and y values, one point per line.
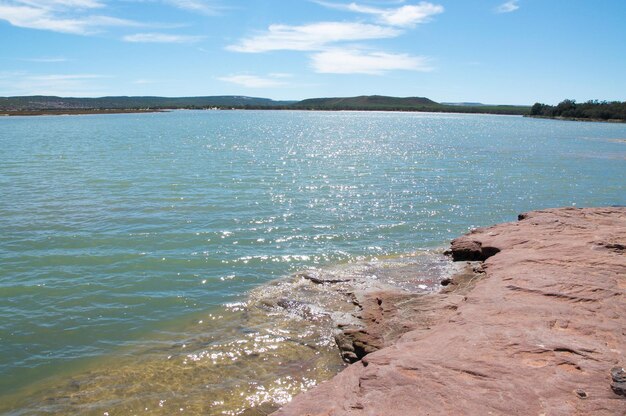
592	110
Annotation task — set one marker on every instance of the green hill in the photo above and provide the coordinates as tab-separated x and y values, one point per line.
372	102
39	102
383	103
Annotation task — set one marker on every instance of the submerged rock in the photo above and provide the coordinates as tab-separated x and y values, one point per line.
320	278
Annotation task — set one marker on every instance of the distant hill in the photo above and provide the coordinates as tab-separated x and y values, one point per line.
383	103
373	102
40	102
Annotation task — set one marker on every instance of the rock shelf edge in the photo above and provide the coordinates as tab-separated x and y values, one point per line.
538	329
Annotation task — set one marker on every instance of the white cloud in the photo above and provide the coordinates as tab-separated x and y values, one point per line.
58	16
311	37
161	38
76	16
404	16
508	7
323	38
339	61
411	14
253	81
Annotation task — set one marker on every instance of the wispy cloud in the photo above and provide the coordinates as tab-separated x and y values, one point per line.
254	81
65	16
161	38
201	6
340	61
332	43
508	7
311	37
74	85
404	16
56	4
45	60
64	77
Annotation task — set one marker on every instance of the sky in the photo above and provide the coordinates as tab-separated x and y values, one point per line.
489	51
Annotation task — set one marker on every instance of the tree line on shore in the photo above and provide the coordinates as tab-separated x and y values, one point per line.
592	109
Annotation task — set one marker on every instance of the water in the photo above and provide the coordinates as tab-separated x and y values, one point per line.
123	237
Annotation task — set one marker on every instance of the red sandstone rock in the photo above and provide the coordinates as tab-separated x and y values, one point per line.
539	334
386	315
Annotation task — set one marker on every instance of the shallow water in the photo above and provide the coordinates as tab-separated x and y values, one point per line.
247	357
123	236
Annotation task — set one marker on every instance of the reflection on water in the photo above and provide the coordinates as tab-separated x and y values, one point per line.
245	358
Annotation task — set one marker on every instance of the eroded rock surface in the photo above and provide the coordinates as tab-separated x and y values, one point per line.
385	315
543	332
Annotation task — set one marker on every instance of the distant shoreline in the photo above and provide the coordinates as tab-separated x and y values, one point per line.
66	112
50	105
71	112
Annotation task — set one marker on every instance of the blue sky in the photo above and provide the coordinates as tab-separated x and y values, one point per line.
491	51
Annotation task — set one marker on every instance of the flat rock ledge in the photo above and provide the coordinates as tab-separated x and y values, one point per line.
542	332
385	315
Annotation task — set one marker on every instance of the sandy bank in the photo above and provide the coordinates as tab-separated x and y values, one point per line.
541	332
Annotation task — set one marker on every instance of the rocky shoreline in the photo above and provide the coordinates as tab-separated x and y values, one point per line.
538	327
385	315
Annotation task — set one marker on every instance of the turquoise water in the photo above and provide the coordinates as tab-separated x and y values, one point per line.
116	230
